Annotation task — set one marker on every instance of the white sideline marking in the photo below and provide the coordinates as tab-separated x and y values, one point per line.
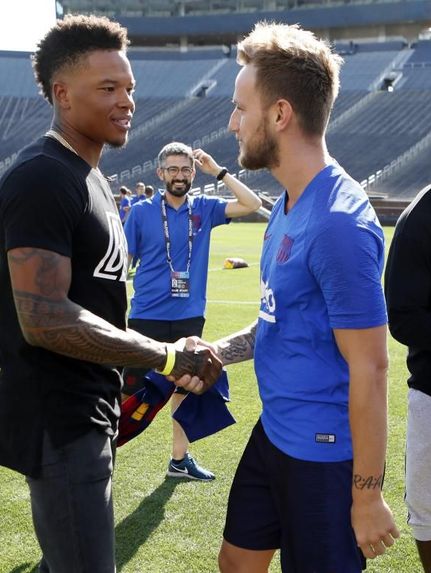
212	270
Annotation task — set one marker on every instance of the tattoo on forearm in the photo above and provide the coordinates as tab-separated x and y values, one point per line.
68	329
238	348
369	482
37	312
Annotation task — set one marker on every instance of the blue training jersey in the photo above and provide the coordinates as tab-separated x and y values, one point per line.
152	298
321	269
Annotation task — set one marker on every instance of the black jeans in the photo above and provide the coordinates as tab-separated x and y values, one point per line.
72	508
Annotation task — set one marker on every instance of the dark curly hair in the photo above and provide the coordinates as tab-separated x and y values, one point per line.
69	40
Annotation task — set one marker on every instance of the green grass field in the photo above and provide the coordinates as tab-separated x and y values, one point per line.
165	524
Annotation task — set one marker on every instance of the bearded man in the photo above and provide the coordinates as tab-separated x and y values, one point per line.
170	235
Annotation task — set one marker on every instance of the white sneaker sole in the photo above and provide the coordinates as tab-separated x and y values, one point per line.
186	476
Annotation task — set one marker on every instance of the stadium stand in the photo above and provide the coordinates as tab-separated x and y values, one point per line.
23	113
391	120
406	177
378	129
181	8
201	22
390	124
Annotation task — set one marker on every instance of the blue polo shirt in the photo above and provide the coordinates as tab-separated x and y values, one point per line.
320	269
152	284
124	202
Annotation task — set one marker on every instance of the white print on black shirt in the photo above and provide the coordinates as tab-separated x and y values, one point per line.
113	265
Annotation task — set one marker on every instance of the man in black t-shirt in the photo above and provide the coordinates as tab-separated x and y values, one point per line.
63	264
408	296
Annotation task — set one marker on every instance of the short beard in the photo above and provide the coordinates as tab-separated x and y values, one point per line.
178	192
263	154
116	144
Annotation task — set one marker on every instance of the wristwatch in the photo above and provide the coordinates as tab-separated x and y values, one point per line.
222	173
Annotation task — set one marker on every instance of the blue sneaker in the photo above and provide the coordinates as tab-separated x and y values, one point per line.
189	469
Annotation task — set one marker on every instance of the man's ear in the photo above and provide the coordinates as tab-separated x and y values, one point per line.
60	95
160	173
281	114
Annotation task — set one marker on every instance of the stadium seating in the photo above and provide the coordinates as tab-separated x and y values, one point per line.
378	118
405	178
386	127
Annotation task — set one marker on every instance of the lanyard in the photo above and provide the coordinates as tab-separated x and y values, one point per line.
167	237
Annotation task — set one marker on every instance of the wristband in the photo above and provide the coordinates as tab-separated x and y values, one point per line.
170	360
222	173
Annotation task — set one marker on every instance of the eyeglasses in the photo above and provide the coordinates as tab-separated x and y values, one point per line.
174	170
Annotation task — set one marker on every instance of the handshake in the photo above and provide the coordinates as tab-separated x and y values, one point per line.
191	365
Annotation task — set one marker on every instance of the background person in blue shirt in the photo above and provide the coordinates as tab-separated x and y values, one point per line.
170	235
139	193
149	191
125	203
310	479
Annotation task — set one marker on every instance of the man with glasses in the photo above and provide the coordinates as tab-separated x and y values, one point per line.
170	235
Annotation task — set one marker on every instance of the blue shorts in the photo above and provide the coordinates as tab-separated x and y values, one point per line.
299	507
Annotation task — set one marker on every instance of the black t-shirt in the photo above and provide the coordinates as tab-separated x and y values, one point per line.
51	199
408	288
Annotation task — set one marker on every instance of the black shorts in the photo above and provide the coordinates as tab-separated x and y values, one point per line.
299	507
163	331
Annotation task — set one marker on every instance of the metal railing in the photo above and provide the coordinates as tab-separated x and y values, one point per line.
381	174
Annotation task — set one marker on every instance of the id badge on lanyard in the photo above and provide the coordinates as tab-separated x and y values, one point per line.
180	280
180	284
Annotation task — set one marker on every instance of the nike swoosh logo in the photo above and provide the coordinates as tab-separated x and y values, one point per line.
184	471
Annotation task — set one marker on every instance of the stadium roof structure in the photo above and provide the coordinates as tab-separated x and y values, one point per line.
181	7
204	22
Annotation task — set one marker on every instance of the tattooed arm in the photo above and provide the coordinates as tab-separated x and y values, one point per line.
237	347
366	355
40	282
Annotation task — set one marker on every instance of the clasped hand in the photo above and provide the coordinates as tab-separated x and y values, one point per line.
196	367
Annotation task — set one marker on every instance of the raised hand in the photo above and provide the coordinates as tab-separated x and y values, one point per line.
206	163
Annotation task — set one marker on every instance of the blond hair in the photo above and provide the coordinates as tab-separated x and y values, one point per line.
292	64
